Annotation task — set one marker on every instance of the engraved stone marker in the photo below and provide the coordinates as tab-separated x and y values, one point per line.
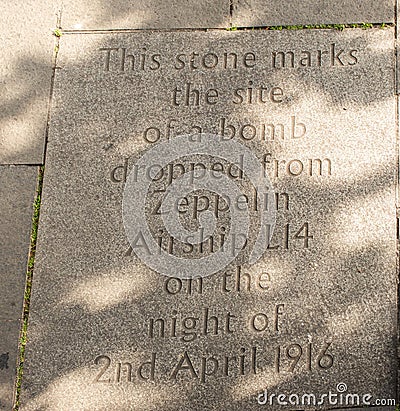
313	320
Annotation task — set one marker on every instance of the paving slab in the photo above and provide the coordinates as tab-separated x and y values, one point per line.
27	46
113	326
140	14
17	193
247	13
9	333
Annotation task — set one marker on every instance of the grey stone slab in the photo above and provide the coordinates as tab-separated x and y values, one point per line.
316	314
276	13
17	193
9	333
140	14
26	48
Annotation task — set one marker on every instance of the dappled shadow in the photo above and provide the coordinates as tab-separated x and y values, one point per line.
351	289
25	78
91	298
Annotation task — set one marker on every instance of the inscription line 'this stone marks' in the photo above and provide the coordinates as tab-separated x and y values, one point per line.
121	59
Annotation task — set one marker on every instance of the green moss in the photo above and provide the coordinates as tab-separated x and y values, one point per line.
28	286
294	27
367	25
57	32
339	27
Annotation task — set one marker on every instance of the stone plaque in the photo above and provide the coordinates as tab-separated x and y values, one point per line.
305	320
277	13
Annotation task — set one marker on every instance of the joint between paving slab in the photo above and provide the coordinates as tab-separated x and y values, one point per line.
397	395
396	61
233	28
335	26
396	86
28	286
22	165
57	34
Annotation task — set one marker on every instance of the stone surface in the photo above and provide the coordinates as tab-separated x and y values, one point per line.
320	314
277	13
17	193
9	333
25	76
140	14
